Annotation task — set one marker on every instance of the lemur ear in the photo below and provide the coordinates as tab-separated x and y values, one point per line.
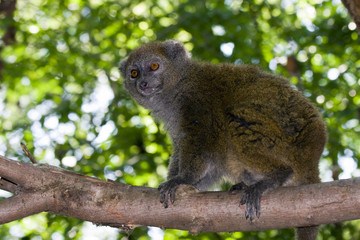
174	49
122	67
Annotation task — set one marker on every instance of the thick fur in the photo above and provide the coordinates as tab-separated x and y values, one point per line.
228	121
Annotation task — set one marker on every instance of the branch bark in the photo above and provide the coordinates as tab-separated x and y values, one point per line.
39	188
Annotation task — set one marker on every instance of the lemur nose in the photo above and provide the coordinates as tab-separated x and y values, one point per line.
143	85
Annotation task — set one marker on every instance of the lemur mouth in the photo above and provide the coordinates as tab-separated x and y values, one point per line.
148	90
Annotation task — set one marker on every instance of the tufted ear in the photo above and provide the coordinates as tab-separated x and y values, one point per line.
122	67
174	49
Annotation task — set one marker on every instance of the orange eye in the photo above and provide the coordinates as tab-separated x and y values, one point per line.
154	66
134	73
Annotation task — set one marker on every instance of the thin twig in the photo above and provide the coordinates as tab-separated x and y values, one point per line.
27	152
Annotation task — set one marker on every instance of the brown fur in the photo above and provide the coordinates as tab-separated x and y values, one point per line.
227	121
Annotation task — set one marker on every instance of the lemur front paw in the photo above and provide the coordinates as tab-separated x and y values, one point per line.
167	191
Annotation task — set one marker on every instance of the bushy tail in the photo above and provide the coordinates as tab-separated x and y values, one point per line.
306	233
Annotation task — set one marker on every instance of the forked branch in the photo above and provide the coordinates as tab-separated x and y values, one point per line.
39	188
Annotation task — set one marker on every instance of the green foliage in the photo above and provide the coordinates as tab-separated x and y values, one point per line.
62	94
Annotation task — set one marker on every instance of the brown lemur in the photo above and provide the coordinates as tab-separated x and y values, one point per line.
227	121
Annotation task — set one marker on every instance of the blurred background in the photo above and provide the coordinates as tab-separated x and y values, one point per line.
61	91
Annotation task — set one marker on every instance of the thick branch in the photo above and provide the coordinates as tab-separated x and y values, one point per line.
47	188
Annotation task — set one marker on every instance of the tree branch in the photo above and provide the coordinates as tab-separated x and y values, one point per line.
52	189
7	185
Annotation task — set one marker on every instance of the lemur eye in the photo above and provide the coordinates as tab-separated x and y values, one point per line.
134	73
154	66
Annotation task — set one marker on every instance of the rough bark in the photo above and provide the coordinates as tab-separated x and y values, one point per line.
39	188
353	6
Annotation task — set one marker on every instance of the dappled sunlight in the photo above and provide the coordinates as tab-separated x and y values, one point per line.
61	91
